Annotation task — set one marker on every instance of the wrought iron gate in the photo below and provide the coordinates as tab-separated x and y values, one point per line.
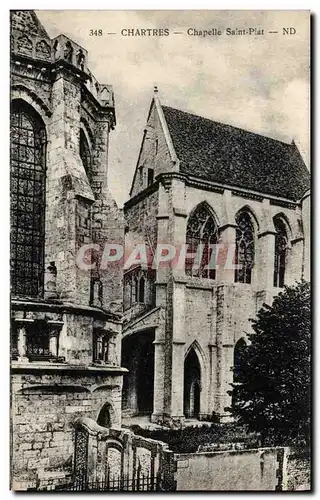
95	469
118	483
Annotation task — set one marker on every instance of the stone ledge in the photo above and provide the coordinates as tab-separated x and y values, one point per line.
62	306
17	367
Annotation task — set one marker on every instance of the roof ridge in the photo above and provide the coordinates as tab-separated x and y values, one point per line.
231	126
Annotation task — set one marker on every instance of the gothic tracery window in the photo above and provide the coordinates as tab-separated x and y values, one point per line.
280	254
202	235
139	288
244	257
27	207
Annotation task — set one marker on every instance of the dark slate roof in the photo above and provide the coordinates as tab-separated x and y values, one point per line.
225	154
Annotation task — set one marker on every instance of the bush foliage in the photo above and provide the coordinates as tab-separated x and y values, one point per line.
272	391
188	440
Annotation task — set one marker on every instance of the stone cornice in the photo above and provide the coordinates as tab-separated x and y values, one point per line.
247	194
51	68
199	183
280	202
49	71
205	185
211	185
24	60
65	368
63	307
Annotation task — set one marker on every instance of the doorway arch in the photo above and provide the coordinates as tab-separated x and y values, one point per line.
105	416
192	385
138	383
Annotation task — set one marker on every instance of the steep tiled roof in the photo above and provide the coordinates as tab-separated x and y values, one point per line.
226	154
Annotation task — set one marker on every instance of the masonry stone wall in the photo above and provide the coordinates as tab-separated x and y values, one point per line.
141	222
44	408
263	469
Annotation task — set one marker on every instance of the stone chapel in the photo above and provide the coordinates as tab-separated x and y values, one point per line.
202	182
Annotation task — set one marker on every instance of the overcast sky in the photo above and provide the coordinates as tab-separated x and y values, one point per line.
260	83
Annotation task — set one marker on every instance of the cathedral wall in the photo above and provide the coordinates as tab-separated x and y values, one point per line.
56	375
29	82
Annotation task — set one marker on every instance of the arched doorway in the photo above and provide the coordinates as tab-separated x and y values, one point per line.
145	379
104	417
192	385
138	383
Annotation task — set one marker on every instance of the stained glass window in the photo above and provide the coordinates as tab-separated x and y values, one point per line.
280	254
27	208
201	239
244	248
85	154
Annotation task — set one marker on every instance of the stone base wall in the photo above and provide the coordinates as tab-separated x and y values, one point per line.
261	469
44	408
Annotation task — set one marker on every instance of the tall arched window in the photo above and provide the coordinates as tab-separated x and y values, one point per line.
244	248
141	289
27	207
280	254
85	155
202	234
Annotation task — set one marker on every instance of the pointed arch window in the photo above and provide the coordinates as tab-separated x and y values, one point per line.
201	238
27	206
85	155
280	254
245	250
141	289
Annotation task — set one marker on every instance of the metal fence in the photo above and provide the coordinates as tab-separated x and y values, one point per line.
115	483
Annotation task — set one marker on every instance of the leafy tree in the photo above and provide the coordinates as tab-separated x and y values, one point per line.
272	387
